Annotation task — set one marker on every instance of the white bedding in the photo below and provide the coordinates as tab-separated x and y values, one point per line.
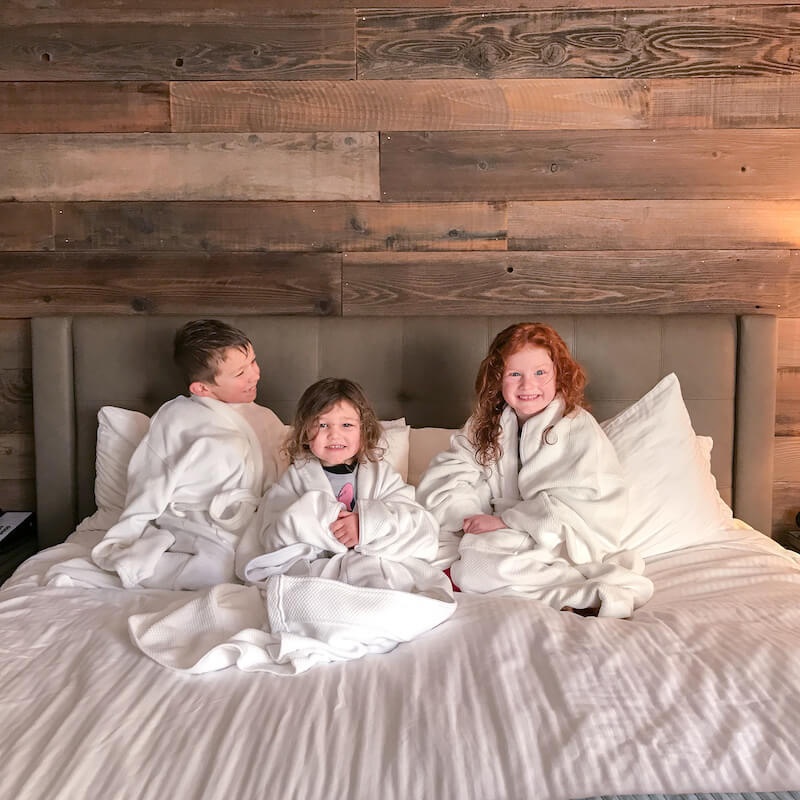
700	691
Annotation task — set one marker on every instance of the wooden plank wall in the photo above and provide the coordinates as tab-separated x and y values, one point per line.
413	156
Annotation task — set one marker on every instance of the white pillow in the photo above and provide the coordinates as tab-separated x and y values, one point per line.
395	440
425	443
673	498
119	432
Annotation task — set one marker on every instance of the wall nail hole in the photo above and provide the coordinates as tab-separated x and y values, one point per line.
45	56
509	269
744	169
178	62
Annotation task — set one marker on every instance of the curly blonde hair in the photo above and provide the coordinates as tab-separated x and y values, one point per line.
315	401
489	402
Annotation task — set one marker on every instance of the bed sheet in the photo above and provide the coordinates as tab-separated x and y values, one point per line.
699	692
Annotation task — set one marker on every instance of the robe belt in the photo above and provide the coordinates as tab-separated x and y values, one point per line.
247	503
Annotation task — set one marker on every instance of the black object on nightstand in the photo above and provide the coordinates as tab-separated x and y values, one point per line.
790	539
17	540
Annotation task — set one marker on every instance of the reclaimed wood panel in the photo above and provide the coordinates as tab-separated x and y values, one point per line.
788	343
531	165
400	105
280	226
26	226
83	107
16	401
787	460
787	417
15	344
740	102
18	495
196	166
16	456
196	283
785	505
20	11
662	282
314	45
653	224
665	42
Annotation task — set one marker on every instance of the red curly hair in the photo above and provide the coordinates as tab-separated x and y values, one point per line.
489	403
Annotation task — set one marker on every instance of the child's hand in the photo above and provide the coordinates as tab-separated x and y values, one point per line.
483	523
345	528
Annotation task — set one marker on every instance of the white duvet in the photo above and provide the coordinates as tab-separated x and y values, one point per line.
508	698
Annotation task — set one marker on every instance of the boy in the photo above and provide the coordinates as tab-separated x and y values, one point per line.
197	476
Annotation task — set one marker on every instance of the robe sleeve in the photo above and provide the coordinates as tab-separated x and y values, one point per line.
455	486
393	525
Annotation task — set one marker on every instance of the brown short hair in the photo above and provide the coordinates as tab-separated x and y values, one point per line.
200	346
489	403
316	400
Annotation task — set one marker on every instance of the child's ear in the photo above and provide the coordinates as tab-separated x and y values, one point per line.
199	388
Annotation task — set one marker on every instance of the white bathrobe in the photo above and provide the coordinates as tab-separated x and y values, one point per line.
314	600
193	485
564	510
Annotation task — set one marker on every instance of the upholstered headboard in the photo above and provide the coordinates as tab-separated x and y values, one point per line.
422	368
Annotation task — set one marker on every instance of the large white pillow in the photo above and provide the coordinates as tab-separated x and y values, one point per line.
395	440
673	498
119	432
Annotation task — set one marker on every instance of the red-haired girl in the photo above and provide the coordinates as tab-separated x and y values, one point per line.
535	485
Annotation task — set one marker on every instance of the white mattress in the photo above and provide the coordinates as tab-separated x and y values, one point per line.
700	692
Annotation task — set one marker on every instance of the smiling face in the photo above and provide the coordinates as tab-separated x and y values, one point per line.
529	381
236	380
336	435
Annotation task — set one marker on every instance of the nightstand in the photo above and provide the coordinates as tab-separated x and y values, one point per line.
19	544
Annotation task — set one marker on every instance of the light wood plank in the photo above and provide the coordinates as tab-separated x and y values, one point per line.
533	165
16	456
170	283
83	106
787	460
740	102
26	226
789	342
664	42
280	226
15	344
197	166
653	224
314	45
400	105
661	282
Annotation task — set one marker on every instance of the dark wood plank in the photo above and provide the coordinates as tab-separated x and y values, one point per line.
16	456
531	165
189	166
21	11
663	42
313	45
742	102
15	344
16	401
662	282
18	494
401	105
280	226
653	224
26	226
83	107
197	283
785	505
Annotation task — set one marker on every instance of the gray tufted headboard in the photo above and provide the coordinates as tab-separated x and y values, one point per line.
422	368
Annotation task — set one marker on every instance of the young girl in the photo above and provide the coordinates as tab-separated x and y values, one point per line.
339	502
535	485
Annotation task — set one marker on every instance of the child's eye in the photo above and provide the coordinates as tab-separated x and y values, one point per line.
322	425
540	372
513	374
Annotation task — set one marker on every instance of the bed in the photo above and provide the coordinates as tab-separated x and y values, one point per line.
698	693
